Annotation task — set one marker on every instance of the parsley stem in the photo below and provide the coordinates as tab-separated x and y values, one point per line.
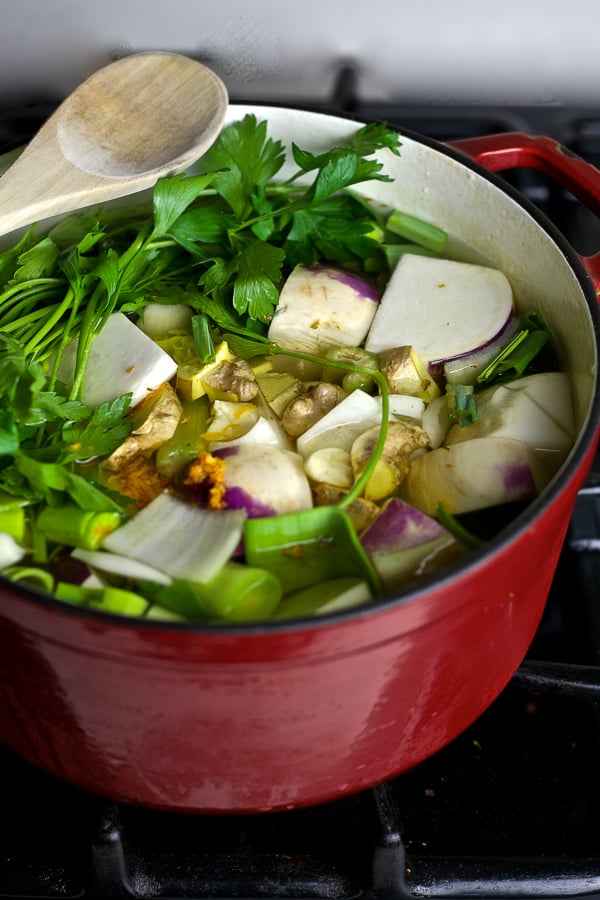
50	322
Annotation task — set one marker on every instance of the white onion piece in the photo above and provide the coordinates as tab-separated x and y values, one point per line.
182	540
125	566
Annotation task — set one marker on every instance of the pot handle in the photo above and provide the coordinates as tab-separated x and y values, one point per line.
513	150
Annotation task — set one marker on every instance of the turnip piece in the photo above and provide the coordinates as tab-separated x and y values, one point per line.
122	360
466	369
403	542
440	307
264	480
320	307
326	597
403	406
183	540
473	475
536	409
342	425
402	440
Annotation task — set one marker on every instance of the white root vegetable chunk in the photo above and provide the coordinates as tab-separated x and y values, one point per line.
320	307
536	409
473	475
182	540
404	542
342	425
122	359
441	307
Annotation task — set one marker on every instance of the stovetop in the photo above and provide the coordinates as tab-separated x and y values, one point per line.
508	809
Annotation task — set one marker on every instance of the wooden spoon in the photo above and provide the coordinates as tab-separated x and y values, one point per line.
130	123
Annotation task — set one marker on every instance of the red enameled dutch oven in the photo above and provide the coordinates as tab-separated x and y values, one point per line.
265	717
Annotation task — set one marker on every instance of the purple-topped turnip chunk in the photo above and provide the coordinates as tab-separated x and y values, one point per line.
404	542
475	474
440	307
536	409
321	307
263	479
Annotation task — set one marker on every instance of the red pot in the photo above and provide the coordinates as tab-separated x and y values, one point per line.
279	715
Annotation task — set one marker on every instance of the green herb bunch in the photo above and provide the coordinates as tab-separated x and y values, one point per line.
221	240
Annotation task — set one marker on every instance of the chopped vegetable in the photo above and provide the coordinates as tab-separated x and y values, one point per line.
122	360
321	306
258	400
199	541
441	307
404	543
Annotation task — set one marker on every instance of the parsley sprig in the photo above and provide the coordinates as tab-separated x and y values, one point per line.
229	235
222	240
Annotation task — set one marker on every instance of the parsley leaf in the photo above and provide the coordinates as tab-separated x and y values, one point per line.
255	290
101	433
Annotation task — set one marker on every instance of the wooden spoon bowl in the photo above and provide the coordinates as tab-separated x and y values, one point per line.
138	119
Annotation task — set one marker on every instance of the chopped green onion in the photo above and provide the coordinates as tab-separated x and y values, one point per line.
108	599
203	338
514	360
416	230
